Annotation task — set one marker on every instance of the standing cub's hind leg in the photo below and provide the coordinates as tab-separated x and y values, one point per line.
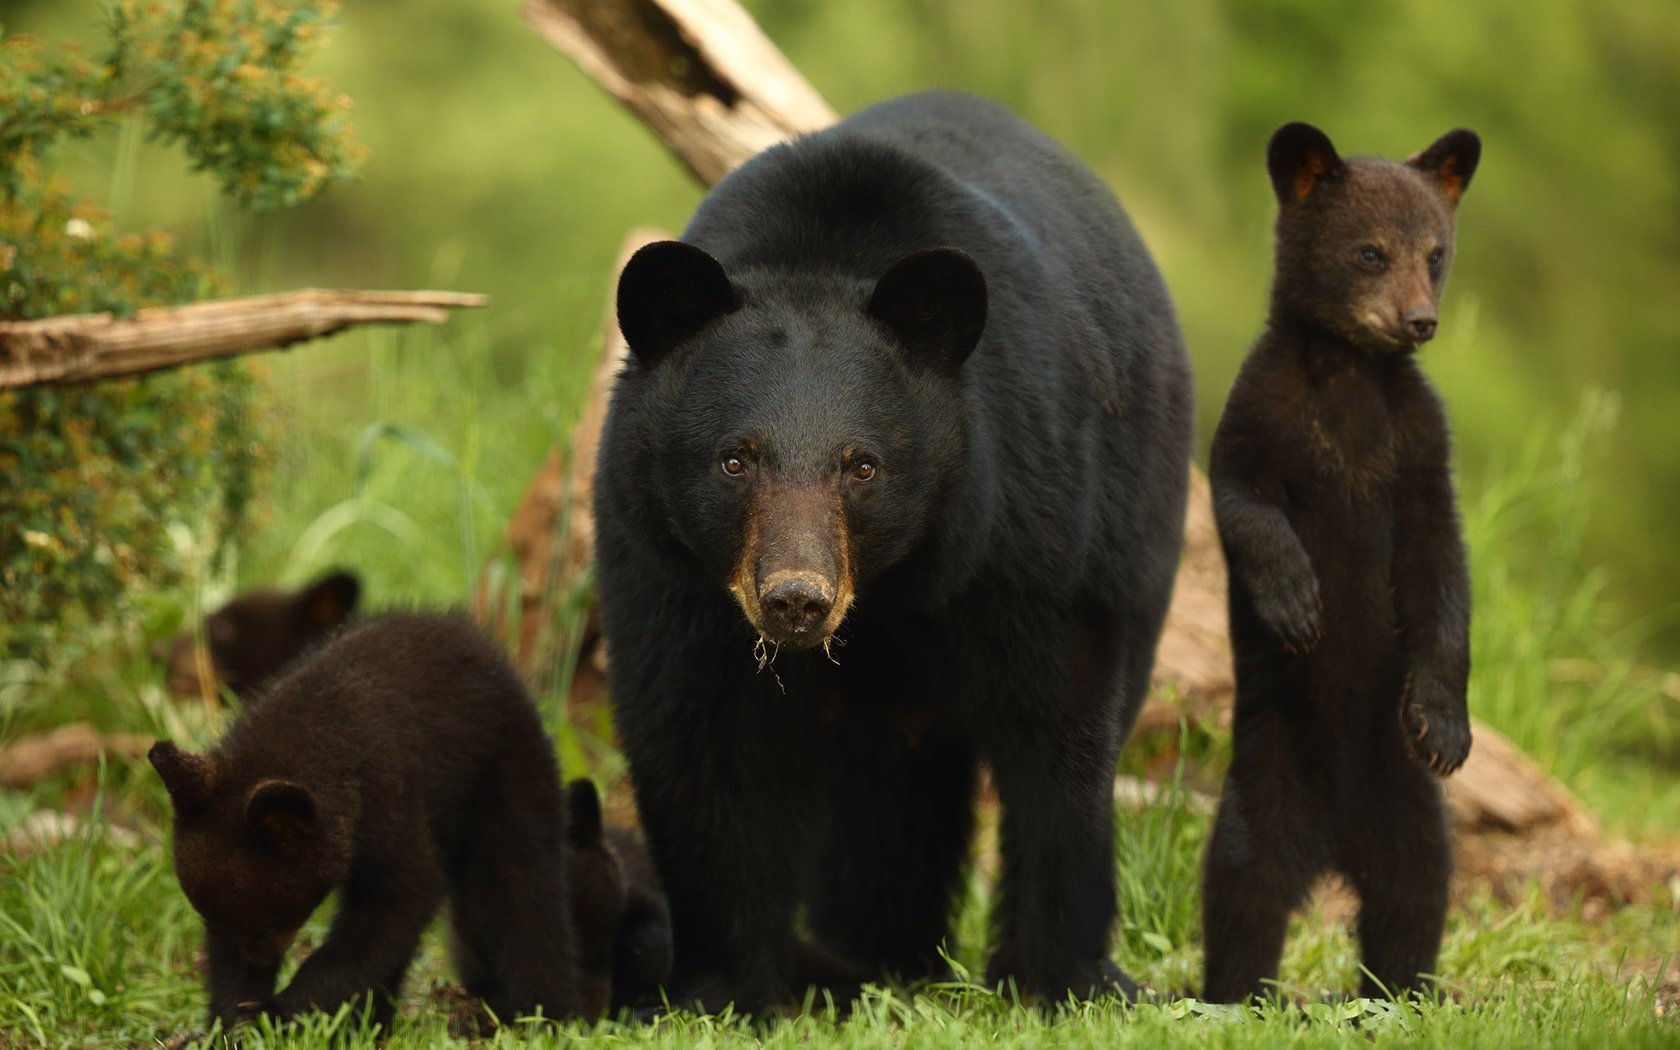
1401	867
1261	860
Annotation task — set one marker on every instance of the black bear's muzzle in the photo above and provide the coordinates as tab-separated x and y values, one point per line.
795	604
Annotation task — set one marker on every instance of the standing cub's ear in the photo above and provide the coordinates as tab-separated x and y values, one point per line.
934	301
1451	161
331	600
281	813
583	816
668	291
1299	158
188	777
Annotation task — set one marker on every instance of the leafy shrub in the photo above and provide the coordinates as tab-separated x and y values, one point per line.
94	475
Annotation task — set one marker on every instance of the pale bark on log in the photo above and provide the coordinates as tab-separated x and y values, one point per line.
699	73
80	347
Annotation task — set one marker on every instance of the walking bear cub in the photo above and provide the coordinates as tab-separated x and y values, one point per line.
401	764
892	484
1349	597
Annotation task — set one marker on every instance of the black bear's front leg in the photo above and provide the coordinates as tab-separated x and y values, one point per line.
1057	890
886	871
1432	598
382	911
719	803
239	990
1265	556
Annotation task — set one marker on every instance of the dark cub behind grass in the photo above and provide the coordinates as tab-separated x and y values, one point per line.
401	763
1349	597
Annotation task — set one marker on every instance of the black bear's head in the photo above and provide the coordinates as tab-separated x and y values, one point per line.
800	426
1364	244
255	858
252	638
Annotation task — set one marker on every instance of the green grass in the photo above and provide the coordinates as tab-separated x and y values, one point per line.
405	455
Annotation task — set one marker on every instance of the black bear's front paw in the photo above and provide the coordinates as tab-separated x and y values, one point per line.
1290	606
1435	725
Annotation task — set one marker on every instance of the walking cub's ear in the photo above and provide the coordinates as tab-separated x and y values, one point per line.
1300	158
281	813
1450	161
669	291
189	778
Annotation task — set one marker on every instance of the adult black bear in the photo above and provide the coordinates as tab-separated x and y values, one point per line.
400	763
892	484
1349	598
253	637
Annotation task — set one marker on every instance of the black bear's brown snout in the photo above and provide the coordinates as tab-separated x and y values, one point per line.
793	579
795	603
1420	323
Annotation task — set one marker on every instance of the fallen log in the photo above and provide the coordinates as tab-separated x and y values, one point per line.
35	758
75	348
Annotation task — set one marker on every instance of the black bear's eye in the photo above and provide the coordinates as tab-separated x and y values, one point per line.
863	469
1436	256
1370	256
734	465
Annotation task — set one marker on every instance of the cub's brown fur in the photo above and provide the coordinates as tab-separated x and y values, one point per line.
401	763
1349	597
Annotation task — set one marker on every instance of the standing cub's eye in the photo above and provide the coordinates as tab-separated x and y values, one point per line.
863	469
1370	256
734	465
1436	256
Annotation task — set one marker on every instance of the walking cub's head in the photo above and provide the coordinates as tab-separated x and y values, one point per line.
255	855
1363	243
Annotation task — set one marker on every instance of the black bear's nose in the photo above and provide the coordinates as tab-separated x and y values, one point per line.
1422	328
796	606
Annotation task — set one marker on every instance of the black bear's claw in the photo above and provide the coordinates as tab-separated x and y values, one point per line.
1436	738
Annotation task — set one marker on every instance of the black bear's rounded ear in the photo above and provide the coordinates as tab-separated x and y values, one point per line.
934	301
583	816
189	778
1450	161
1299	158
330	600
281	812
668	291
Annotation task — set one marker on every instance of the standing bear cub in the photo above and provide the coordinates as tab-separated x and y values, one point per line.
401	763
892	484
1349	597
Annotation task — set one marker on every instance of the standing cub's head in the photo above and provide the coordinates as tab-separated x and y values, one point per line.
1364	244
255	856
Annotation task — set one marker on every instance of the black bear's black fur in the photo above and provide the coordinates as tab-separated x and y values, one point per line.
1349	597
892	485
400	763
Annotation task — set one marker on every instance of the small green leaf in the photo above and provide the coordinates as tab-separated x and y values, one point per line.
77	975
1157	942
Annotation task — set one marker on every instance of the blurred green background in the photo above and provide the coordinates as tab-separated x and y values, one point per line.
497	167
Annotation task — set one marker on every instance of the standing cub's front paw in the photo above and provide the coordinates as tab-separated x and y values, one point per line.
1289	605
1434	724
